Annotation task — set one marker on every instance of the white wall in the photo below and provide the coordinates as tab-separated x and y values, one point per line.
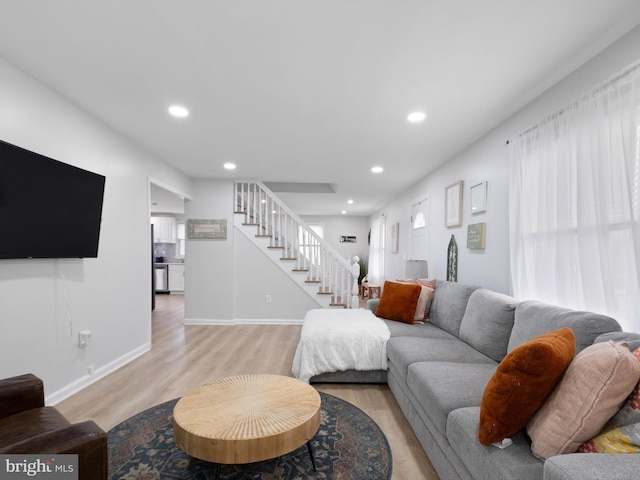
337	225
227	281
487	159
209	265
45	303
255	277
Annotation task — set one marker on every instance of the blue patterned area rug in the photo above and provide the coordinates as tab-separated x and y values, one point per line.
349	445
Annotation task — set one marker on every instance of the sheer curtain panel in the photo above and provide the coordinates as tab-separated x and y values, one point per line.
574	206
376	251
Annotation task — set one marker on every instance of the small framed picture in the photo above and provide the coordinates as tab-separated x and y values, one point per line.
453	205
476	236
206	229
478	198
347	239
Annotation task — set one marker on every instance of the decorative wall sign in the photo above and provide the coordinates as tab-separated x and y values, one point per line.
452	260
453	205
476	235
478	194
207	229
347	239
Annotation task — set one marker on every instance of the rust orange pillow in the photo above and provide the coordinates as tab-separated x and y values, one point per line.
398	301
522	382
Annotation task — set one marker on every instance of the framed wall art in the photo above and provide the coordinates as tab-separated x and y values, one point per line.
347	239
476	236
453	205
207	229
395	232
478	195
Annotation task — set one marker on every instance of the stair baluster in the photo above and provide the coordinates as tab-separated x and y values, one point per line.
296	242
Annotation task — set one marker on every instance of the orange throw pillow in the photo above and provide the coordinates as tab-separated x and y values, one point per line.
398	301
522	382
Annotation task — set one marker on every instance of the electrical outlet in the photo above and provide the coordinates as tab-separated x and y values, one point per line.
268	299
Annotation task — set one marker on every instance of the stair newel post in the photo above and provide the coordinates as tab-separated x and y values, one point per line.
344	286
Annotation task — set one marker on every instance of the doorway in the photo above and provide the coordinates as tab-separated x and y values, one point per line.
168	252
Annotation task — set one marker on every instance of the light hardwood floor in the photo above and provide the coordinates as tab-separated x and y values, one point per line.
184	357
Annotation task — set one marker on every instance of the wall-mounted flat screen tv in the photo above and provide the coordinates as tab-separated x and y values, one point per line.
48	209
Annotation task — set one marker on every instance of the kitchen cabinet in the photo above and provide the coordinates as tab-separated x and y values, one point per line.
176	278
164	229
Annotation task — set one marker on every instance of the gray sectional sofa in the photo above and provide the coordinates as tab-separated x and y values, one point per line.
438	372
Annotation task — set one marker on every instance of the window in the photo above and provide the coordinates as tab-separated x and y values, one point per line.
180	240
574	213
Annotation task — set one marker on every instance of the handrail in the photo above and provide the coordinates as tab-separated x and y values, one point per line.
276	220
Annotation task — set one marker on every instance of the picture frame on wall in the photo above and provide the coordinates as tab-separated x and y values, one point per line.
453	205
395	232
207	229
476	236
478	196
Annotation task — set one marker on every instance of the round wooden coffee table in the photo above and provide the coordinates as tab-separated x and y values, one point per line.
247	418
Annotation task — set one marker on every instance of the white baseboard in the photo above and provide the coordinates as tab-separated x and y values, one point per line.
243	321
86	380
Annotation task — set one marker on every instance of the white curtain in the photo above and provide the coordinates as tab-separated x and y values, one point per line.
376	251
574	206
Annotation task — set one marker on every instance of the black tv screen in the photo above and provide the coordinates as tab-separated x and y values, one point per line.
48	209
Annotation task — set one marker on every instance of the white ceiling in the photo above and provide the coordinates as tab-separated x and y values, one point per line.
307	90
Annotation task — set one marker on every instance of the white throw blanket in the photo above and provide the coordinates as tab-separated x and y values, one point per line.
336	340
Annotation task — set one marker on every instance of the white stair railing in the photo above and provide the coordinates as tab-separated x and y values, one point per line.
299	244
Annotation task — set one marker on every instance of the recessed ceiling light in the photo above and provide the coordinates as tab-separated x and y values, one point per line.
416	117
230	166
343	212
178	111
350	202
377	169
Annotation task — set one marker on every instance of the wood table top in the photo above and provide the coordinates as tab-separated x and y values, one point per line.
246	418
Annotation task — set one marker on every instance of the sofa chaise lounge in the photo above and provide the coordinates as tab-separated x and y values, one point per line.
439	370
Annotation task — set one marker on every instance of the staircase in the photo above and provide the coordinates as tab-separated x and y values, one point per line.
309	260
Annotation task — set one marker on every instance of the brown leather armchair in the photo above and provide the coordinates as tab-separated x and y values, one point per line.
28	427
